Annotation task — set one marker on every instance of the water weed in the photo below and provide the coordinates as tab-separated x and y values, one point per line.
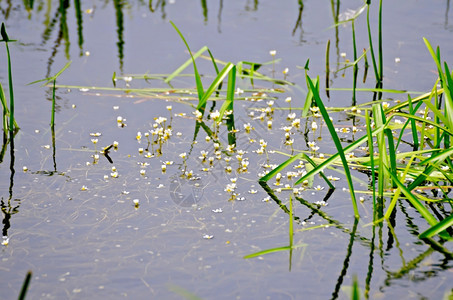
12	125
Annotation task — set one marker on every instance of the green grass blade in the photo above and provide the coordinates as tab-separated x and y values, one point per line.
413	124
417	204
11	93
438	158
371	151
220	77
213	62
308	100
185	65
398	191
200	89
272	250
331	160
336	141
331	186
279	168
228	104
438	228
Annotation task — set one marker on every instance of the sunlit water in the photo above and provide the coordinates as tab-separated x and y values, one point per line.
74	223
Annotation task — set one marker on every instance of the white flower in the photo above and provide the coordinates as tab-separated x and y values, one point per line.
215	115
318	188
198	114
273	52
291	116
314	126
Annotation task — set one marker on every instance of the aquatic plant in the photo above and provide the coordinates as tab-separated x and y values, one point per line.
52	79
12	125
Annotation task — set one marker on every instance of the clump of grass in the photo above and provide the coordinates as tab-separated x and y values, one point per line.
12	125
430	133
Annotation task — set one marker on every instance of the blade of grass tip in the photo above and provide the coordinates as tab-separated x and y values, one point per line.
200	89
445	82
435	58
280	167
439	227
213	62
309	97
416	203
185	64
337	142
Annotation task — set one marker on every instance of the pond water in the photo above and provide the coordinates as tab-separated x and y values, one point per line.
73	219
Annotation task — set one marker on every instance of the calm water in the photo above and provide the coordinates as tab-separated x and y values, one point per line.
80	233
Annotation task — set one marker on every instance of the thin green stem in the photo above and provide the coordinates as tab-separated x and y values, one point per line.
52	119
11	93
373	58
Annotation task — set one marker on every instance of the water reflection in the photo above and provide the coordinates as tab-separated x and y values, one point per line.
413	268
299	22
119	5
9	207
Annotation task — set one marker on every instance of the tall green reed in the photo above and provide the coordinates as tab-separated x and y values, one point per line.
12	126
